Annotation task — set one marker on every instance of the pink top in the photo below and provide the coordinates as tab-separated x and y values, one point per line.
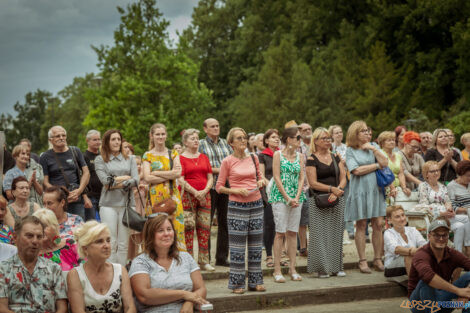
240	173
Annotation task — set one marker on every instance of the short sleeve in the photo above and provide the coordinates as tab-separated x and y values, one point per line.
351	161
7	180
140	265
43	162
174	154
80	158
430	155
4	280
145	157
59	282
208	164
186	258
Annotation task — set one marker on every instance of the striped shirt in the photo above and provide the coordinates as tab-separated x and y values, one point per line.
216	152
459	195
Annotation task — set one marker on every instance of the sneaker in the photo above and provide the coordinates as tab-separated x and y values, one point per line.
208	267
341	274
346	242
323	275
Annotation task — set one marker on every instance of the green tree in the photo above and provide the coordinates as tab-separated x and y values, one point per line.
144	81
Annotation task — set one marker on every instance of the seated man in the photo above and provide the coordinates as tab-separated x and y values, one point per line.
432	268
29	283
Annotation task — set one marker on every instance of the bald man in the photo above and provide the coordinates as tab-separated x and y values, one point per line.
65	166
216	150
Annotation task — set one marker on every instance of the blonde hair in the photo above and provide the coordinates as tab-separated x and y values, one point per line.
384	136
316	134
152	130
48	218
332	128
464	138
352	137
393	208
87	234
189	132
427	166
18	149
231	133
435	134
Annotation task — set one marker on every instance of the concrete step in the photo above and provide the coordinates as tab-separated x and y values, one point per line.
311	291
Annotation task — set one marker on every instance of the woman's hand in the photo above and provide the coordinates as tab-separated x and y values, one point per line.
448	214
332	197
188	307
32	179
448	154
292	202
393	192
239	191
368	146
194	298
260	183
406	191
337	192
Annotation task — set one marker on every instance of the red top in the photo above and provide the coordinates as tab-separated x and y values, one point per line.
195	170
425	266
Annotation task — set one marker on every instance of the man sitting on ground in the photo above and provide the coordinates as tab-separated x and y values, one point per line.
432	268
29	283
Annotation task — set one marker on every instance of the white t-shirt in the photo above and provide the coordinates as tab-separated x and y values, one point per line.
393	239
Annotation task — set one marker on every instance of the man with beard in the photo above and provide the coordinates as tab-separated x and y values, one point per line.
29	283
432	268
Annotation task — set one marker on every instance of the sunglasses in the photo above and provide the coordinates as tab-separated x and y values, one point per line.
157	214
325	138
298	137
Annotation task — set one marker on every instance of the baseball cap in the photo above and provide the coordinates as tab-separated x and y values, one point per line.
437	224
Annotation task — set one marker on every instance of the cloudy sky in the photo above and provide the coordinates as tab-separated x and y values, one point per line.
46	43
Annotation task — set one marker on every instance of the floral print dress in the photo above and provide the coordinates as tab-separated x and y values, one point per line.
160	192
67	256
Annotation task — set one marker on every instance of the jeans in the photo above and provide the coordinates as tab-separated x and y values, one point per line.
93	213
112	217
77	208
425	292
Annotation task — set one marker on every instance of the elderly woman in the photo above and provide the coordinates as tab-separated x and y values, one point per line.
411	159
6	231
21	207
271	142
245	212
459	188
365	200
98	286
386	142
55	199
27	168
434	195
286	197
58	250
196	179
161	169
164	279
326	175
465	141
400	242
445	157
118	173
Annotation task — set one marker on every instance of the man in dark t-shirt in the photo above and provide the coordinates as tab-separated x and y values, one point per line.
93	140
61	166
432	268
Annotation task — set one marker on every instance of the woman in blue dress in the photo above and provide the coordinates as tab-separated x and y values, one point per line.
365	200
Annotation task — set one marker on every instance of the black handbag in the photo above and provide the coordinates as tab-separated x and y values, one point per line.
131	219
321	199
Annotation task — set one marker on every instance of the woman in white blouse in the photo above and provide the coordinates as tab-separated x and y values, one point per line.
164	279
434	195
400	242
97	285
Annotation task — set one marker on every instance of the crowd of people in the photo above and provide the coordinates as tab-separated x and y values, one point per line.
64	242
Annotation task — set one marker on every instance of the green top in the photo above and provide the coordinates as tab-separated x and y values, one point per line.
290	172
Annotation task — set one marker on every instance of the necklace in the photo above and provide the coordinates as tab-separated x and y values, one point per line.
21	210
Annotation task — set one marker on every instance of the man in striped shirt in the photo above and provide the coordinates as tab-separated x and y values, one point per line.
216	150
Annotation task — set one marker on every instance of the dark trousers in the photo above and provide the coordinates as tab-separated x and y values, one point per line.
93	213
269	229
219	202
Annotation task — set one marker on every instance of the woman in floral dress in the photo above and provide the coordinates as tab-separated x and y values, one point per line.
161	172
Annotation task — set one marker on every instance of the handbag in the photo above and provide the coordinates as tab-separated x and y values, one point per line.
168	205
131	219
322	199
189	215
384	176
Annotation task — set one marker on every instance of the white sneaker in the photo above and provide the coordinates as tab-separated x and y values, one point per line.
341	274
323	275
346	242
208	267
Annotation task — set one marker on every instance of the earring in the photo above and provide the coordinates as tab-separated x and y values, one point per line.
290	147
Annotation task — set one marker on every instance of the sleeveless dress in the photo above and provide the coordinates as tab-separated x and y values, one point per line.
111	302
16	216
160	192
290	172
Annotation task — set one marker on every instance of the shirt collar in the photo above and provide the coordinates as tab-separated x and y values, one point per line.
119	157
209	139
40	263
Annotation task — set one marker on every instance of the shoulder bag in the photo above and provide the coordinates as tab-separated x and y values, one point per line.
131	218
322	199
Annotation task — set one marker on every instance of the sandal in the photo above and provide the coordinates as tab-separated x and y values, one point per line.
303	252
378	267
269	261
258	288
279	278
365	269
284	262
295	277
238	291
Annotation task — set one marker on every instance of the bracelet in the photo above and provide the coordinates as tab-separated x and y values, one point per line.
329	189
377	165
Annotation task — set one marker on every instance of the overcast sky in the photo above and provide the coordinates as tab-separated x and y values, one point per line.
46	43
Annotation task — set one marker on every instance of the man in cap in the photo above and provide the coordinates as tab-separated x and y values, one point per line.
432	268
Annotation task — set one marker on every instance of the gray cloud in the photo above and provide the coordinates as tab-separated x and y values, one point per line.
46	43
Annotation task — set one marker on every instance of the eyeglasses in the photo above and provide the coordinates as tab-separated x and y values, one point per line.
157	214
60	136
298	137
364	131
440	237
241	138
414	147
325	138
434	171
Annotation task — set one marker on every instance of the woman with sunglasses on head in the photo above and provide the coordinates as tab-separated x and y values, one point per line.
164	279
412	160
435	196
286	198
446	157
245	212
118	173
365	200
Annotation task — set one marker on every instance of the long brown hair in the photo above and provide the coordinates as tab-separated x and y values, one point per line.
106	150
150	228
152	130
